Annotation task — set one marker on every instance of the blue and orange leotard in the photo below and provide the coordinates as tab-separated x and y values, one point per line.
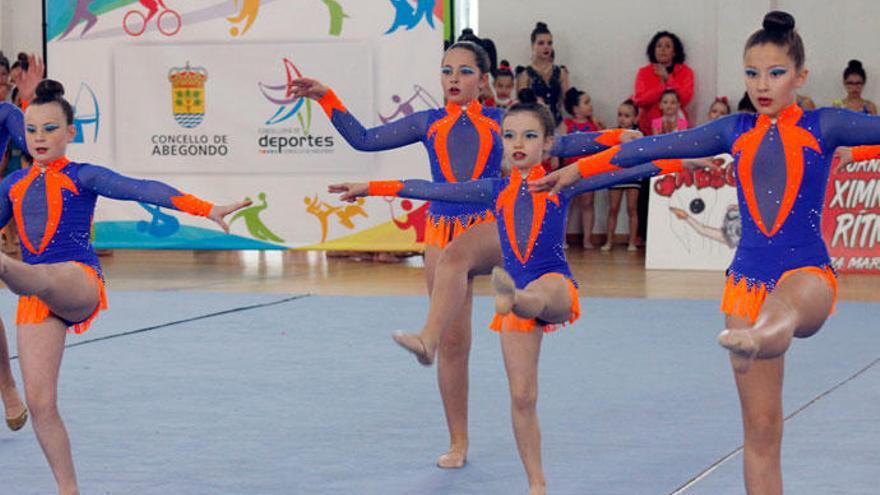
463	143
53	208
531	226
782	168
11	126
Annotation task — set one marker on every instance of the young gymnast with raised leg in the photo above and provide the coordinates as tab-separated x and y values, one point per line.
463	142
781	284
535	290
60	283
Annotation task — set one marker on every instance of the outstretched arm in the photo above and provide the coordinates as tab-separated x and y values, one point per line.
842	127
475	191
108	183
631	174
707	140
589	143
407	130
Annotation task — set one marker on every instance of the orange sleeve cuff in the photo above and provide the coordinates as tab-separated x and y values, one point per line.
610	137
330	102
599	163
863	153
188	203
669	166
385	187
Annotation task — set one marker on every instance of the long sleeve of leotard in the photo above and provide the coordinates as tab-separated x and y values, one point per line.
5	203
408	130
108	183
474	191
707	140
585	143
608	179
12	120
841	127
863	153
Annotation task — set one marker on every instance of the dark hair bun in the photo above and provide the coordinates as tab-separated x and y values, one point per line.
541	26
526	95
22	57
778	22
49	89
504	64
855	65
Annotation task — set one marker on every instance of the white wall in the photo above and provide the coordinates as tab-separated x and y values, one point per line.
21	27
603	44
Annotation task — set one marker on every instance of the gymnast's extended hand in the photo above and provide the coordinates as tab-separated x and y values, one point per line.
630	135
350	191
31	77
844	154
310	88
219	212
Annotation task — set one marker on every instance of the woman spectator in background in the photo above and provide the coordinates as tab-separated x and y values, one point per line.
665	71
547	80
854	78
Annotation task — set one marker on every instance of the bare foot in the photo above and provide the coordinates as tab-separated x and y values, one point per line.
16	411
505	291
454	459
742	346
414	344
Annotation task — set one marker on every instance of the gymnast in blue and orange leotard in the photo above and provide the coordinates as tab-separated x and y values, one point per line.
60	282
463	143
536	290
780	284
11	129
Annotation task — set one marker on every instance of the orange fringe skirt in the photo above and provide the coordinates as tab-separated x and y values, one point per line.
32	310
745	300
440	231
512	323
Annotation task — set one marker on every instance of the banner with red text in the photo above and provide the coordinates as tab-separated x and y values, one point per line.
851	223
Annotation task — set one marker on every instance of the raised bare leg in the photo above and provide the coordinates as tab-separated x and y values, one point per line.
798	307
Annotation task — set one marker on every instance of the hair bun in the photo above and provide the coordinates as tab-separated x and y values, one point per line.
504	64
49	89
778	22
855	64
541	25
526	95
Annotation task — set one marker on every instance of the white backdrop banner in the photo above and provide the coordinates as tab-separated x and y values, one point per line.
693	220
194	93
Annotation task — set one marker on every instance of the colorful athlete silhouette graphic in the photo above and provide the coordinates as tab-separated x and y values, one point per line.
86	112
161	225
407	16
414	219
168	22
322	211
349	211
248	10
253	222
81	12
288	105
336	16
406	108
